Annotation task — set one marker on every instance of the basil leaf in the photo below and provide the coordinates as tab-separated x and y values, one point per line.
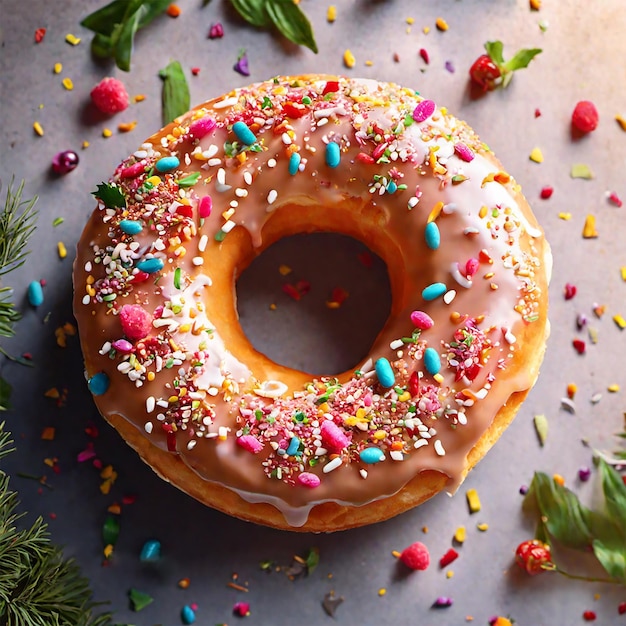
612	557
520	59
102	46
495	51
175	95
614	492
291	22
124	44
153	8
565	518
103	20
253	11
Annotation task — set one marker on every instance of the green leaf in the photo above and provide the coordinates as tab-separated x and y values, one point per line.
139	599
152	10
614	492
253	11
565	518
5	394
175	95
111	196
495	51
291	22
521	59
124	45
102	46
612	558
103	20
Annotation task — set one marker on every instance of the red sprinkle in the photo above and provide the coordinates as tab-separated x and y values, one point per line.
615	199
416	556
621	609
195	71
424	55
579	346
448	557
414	384
537	113
40	33
546	192
570	291
330	86
585	116
589	616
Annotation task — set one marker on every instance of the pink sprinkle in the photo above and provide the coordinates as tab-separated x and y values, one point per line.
250	443
216	31
201	127
241	609
136	321
424	55
422	320
463	152
367	399
132	171
123	346
204	206
424	110
471	267
333	437
309	480
86	454
615	199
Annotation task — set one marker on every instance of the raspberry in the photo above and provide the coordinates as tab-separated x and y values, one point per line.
534	556
416	556
136	321
585	116
110	96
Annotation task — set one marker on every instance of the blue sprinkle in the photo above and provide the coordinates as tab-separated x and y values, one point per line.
244	134
333	154
392	187
432	235
35	293
294	444
151	551
432	361
167	164
131	227
98	384
434	291
150	266
294	163
385	374
187	615
371	455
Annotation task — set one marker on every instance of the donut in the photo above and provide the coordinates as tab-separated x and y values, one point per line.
172	371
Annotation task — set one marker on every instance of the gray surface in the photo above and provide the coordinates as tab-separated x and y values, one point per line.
582	59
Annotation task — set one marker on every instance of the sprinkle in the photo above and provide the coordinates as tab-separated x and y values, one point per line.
126	127
242	66
441	24
131	227
546	192
38	128
150	266
244	134
107	132
333	154
568	405
442	602
371	455
72	39
450	556
98	384
216	31
139	600
167	164
331	14
449	66
35	293
483	527
348	59
422	320
384	371
433	291
310	480
536	155
62	250
48	433
614	388
68	84
570	291
40	33
423	110
187	614
432	361
294	163
463	152
432	236
439	449
151	551
565	216
173	10
332	465
579	346
589	229
580	170
460	534
473	501
541	427
57	68
620	321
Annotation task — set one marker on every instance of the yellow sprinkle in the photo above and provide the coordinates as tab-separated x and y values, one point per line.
139	97
473	500
108	551
395	553
348	59
58	68
459	535
331	13
441	24
536	155
483	527
565	216
614	388
404	396
621	121
410	20
106	133
502	621
284	270
85	145
449	574
620	321
426	30
436	211
68	84
154	180
151	376
535	5
589	229
424	529
558	479
62	250
382	591
438	378
38	128
369	63
272	306
380	434
126	127
72	39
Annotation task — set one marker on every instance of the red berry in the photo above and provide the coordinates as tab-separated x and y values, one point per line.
110	96
416	556
585	116
534	556
484	72
589	616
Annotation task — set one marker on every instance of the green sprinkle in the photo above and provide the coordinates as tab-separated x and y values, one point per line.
58	221
189	181
541	426
580	170
177	273
139	600
220	235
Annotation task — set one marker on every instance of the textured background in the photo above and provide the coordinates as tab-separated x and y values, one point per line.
583	58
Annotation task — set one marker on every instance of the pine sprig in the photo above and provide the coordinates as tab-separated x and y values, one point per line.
38	586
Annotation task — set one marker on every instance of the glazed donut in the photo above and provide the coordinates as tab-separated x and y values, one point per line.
171	369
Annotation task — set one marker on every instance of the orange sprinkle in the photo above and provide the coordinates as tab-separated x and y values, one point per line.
436	211
173	10
139	97
558	479
126	127
115	509
48	433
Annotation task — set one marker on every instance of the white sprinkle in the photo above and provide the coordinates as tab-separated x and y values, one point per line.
439	449
396	455
413	202
396	344
222	432
227	102
211	151
202	244
150	404
455	270
148	426
271	389
271	163
88	266
247	177
197	260
509	337
420	442
449	296
214	162
271	196
363	473
241	193
332	465
192	444
286	139
86	299
228	226
140	154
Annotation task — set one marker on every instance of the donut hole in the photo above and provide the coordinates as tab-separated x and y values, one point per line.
314	302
